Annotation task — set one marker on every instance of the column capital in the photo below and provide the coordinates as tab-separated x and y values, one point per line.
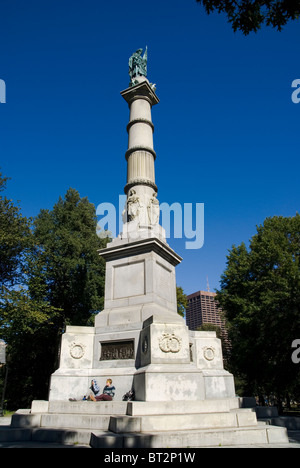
141	90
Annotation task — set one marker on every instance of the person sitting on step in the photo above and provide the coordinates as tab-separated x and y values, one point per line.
107	394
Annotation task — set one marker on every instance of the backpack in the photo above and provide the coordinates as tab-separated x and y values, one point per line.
129	396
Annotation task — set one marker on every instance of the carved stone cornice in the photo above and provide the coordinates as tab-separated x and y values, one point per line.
142	90
152	244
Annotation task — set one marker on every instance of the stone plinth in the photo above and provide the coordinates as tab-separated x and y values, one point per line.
162	361
140	283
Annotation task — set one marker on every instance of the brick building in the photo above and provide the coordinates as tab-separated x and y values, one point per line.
203	309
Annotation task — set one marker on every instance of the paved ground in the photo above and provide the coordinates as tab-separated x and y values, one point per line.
294	437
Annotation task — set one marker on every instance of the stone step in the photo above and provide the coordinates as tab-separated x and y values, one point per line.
46	435
10	434
155	431
260	435
266	411
61	421
143	423
149	425
62	436
290	422
225	437
78	421
181	422
87	407
134	408
142	408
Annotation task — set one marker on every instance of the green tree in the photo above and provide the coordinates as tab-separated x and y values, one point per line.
52	276
65	268
14	239
211	327
181	301
28	327
24	322
249	15
260	292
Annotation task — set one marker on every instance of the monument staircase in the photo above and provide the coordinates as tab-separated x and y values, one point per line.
137	424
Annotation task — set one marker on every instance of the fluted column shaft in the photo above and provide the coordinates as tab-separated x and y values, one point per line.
140	188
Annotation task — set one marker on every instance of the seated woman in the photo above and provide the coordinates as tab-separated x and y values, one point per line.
107	394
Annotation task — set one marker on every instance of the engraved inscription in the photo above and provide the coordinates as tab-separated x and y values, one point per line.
112	350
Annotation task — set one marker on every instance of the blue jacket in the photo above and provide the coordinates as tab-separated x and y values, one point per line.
95	387
109	390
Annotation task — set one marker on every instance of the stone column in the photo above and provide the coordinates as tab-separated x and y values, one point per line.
141	214
139	339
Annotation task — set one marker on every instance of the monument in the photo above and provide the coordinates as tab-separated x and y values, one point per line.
183	395
139	340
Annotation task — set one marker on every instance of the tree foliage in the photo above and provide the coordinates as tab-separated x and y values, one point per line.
65	268
181	301
211	327
51	275
260	292
21	318
29	328
249	15
14	239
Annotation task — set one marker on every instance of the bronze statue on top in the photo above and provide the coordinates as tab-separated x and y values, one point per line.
137	66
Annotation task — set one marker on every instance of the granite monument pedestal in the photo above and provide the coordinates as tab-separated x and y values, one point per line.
183	395
139	340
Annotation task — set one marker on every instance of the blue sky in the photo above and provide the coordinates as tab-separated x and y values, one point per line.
226	129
